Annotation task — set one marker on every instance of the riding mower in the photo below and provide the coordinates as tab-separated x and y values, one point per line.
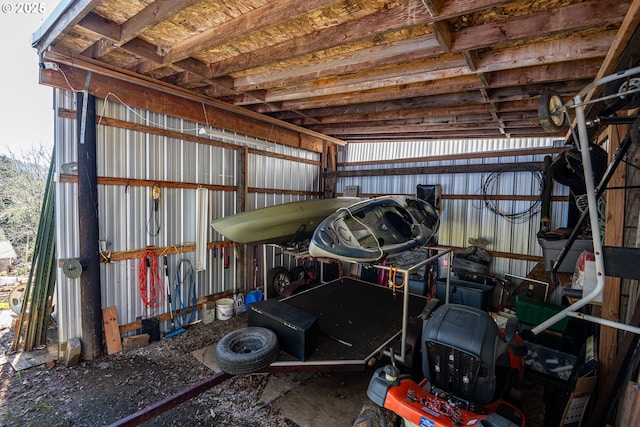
467	362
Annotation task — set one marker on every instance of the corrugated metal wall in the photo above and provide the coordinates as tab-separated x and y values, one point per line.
462	219
126	213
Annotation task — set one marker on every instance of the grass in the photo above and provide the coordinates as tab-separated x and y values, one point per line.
4	305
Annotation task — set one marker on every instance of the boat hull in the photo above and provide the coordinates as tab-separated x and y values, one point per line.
373	229
281	224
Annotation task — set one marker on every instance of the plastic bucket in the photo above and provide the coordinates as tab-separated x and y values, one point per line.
253	296
224	308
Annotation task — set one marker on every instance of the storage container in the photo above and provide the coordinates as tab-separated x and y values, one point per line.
534	312
551	250
296	329
548	361
464	292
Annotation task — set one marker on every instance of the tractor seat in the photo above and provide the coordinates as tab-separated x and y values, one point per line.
460	347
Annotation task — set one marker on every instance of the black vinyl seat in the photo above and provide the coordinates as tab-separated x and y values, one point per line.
461	346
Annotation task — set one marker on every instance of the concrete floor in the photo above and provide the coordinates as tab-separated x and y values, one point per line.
336	398
310	400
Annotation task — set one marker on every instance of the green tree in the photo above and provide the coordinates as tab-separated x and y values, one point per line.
22	183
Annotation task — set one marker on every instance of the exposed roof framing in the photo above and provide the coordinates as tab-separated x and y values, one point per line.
356	70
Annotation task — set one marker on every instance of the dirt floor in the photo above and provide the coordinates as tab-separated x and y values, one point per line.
103	391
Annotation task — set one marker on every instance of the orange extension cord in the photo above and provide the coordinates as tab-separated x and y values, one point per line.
152	290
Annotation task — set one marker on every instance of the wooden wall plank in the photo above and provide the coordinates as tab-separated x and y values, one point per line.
111	330
613	237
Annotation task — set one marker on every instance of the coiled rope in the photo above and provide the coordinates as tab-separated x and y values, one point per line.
151	288
491	182
185	314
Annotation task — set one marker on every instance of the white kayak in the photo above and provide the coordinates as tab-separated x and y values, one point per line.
371	230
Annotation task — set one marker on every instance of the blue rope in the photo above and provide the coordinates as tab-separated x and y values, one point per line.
185	315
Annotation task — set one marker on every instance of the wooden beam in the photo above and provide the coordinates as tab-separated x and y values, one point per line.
482	121
453	88
346	63
580	46
404	114
388	19
414	72
432	6
252	21
145	49
442	33
101	26
614	236
471	58
155	12
364	107
130	182
437	170
436	87
167	98
180	136
60	21
311	74
188	185
566	19
626	32
462	156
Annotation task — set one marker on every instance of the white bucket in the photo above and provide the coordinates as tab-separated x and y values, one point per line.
224	308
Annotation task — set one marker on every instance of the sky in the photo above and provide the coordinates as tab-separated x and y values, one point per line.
26	110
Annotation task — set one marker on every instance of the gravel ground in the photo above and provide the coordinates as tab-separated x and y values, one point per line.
103	391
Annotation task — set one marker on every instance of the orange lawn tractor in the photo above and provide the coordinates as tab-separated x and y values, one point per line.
468	364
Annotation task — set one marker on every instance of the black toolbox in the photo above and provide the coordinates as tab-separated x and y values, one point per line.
296	329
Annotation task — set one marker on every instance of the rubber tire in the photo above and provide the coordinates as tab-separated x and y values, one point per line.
622	103
299	273
278	278
247	350
545	113
372	415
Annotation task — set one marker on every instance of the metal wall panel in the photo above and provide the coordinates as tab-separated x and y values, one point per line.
126	213
463	219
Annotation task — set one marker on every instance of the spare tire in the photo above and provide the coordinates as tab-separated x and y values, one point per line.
247	350
567	168
278	278
622	102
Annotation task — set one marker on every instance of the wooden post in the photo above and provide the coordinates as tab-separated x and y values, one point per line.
90	296
613	237
244	264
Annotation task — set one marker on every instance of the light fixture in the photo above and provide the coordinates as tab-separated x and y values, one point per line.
235	138
202	227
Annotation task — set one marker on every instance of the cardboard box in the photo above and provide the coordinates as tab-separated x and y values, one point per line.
296	329
578	401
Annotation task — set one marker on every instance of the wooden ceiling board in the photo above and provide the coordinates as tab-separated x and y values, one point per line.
347	67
